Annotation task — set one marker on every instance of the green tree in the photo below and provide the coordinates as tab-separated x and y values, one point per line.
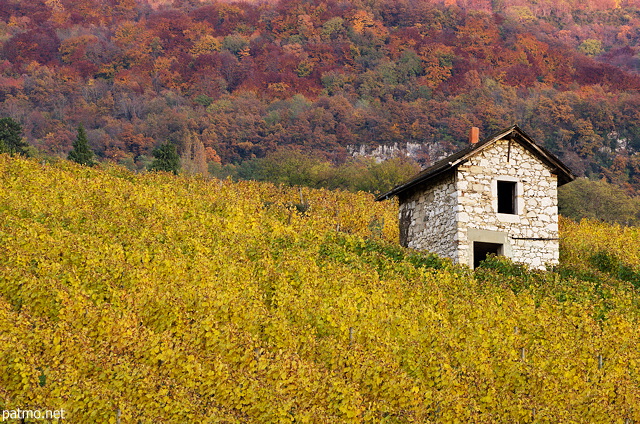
166	158
591	47
81	153
584	198
382	176
288	166
11	138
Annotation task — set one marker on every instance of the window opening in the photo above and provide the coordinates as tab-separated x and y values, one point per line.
507	197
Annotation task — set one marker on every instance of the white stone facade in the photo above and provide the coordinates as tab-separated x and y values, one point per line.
448	215
530	235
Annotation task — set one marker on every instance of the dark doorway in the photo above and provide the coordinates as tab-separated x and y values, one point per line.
481	250
507	197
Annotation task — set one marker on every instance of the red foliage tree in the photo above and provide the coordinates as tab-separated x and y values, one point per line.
39	45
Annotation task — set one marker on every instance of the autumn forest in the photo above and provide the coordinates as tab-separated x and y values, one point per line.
228	82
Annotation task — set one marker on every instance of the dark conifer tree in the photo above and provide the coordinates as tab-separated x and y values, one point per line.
11	138
81	153
166	159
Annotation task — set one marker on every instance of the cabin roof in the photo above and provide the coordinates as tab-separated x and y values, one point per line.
451	162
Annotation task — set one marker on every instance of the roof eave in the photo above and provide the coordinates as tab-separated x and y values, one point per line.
406	186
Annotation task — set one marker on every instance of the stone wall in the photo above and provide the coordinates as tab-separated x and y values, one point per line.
427	218
449	215
530	235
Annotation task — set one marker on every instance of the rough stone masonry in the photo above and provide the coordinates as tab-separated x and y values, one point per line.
454	212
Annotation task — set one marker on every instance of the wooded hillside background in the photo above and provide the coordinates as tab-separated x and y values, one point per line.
228	82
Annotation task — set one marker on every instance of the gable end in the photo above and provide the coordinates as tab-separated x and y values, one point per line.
430	175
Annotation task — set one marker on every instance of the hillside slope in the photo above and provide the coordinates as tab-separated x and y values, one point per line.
230	81
155	298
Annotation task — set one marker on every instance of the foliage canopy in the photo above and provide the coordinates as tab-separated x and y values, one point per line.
327	77
584	198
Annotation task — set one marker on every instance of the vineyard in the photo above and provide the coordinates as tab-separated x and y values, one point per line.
150	298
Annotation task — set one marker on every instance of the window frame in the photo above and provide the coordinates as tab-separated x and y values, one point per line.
518	201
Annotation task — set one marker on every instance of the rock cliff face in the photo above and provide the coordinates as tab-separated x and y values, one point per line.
456	214
422	153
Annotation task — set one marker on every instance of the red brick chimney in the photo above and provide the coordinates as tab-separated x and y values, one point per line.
474	135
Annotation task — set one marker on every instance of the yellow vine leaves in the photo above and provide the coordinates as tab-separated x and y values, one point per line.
154	298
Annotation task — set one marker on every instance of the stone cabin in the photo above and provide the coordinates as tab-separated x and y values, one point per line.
495	196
